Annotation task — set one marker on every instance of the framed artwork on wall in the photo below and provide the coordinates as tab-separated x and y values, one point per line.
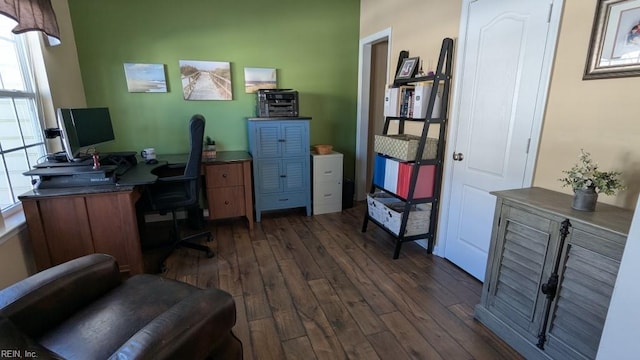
206	80
614	49
259	78
146	78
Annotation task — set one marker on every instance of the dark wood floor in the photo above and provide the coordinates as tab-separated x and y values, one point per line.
317	287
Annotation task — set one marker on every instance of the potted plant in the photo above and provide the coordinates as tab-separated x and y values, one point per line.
587	181
209	149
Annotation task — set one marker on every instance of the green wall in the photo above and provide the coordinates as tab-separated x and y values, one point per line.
312	44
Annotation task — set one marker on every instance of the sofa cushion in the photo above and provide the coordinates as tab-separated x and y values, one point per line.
99	329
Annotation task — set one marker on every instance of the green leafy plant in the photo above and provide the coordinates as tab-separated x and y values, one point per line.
585	175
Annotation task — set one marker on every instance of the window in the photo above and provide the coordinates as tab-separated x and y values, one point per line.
21	140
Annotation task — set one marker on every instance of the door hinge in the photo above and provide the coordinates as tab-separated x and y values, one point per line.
528	145
550	12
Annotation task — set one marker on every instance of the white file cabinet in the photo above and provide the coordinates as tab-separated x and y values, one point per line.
327	182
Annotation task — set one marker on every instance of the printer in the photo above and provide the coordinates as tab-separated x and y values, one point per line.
277	103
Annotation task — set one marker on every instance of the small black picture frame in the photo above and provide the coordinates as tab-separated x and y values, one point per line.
408	68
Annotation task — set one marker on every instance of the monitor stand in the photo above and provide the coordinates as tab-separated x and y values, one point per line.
60	156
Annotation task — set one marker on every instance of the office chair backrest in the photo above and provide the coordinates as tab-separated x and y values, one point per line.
196	132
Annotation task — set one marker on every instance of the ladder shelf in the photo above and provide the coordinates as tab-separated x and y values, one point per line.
402	212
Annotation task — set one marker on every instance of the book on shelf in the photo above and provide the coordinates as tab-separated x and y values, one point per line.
410	101
421	102
395	99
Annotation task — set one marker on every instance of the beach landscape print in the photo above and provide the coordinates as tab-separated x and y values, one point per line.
206	80
259	78
146	78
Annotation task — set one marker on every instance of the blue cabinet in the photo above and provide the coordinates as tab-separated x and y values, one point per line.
281	166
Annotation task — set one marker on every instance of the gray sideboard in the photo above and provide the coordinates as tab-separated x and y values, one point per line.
551	272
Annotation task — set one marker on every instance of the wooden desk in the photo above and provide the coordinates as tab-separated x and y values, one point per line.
68	226
67	223
228	185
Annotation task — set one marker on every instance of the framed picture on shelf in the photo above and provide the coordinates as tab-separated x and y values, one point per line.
614	48
408	68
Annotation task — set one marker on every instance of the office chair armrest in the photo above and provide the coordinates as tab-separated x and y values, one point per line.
191	329
177	166
43	300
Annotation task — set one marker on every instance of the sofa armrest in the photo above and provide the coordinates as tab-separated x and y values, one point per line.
15	344
43	300
191	329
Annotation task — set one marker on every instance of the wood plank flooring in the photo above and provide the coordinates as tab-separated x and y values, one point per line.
318	288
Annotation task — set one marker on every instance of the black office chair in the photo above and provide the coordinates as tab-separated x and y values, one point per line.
172	193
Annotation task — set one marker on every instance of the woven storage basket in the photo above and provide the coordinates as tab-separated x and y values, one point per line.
387	210
404	146
417	222
323	149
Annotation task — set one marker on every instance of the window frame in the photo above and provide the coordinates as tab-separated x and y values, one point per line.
23	44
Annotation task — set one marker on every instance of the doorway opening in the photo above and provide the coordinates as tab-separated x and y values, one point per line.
373	72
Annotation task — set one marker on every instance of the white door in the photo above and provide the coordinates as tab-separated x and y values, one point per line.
502	75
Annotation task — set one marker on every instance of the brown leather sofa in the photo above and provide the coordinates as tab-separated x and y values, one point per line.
83	310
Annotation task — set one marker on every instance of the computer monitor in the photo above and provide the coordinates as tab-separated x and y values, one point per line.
84	128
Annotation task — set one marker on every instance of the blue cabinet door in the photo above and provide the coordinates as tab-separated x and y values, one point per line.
275	139
268	179
295	171
268	140
280	151
296	139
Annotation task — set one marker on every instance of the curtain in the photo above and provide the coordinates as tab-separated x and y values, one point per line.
32	15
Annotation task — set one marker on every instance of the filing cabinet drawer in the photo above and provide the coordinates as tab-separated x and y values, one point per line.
333	207
327	169
225	202
228	185
327	192
223	175
327	183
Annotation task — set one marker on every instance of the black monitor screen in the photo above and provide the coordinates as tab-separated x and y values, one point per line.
83	128
93	126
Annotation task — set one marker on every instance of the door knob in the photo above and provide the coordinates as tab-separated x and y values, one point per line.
458	156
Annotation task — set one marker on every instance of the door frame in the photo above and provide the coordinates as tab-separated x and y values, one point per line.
555	9
362	128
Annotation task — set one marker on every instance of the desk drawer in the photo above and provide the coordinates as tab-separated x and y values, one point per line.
223	175
225	202
283	200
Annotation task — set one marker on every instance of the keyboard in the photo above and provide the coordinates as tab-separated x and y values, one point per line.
122	160
122	168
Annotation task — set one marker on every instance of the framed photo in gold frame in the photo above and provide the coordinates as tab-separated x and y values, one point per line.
614	49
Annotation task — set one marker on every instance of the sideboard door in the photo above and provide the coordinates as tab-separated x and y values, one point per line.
525	242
